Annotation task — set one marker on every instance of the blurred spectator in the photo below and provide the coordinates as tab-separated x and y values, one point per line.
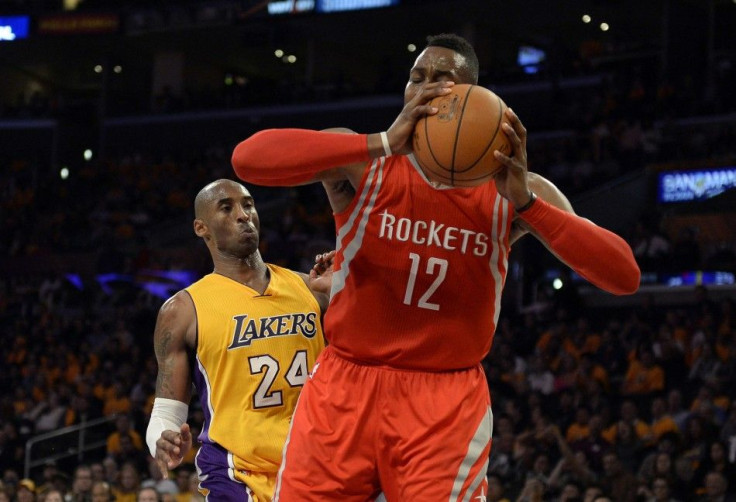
49	414
644	377
112	471
101	492
54	495
129	484
716	461
123	427
661	422
728	433
658	490
594	445
696	443
706	367
539	377
495	489
627	445
716	489
651	249
676	410
98	471
147	494
117	401
26	491
48	480
82	484
156	480
182	474
616	480
533	491
193	494
579	429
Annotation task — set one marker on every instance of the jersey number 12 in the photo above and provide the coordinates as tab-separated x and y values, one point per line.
435	267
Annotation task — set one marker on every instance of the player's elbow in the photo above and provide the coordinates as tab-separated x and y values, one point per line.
250	157
629	281
243	160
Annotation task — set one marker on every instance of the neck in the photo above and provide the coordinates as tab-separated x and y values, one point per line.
248	270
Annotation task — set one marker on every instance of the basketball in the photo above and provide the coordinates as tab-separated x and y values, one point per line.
455	146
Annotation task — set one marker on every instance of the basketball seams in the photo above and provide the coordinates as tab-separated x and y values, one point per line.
501	107
429	143
466	100
468	160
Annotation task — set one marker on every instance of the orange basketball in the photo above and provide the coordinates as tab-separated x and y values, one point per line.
455	146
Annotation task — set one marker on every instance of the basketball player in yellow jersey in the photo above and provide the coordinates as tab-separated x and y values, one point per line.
247	335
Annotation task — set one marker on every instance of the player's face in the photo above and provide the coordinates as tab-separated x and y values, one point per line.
233	221
436	64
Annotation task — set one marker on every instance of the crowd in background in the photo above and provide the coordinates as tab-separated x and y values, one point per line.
116	204
630	402
635	404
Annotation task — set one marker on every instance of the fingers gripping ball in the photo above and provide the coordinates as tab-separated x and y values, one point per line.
455	146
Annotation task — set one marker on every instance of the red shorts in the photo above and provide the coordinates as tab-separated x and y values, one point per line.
361	431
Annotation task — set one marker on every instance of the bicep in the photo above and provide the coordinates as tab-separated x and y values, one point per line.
172	342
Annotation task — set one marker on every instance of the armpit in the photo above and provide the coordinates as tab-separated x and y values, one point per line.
518	230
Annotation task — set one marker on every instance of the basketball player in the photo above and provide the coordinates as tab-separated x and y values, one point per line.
398	404
247	335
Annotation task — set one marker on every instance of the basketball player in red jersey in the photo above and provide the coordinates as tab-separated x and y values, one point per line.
397	406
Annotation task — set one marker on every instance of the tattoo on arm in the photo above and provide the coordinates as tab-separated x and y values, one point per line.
165	370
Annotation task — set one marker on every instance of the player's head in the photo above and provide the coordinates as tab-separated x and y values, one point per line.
445	57
226	218
464	48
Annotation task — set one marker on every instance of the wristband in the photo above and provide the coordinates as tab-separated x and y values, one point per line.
386	147
532	199
167	415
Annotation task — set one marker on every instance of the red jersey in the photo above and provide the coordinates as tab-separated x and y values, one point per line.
419	270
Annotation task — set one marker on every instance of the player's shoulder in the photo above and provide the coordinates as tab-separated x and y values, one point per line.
177	304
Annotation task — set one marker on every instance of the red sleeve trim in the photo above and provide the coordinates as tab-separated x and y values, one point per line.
597	254
284	157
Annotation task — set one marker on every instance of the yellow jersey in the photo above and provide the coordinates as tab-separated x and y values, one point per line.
254	353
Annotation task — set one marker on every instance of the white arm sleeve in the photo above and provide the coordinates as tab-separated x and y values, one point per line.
167	415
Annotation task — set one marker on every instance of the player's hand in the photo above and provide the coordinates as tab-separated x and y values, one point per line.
512	180
320	277
171	448
401	131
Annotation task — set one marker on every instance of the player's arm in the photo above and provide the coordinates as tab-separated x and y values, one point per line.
168	436
285	157
319	280
600	256
597	254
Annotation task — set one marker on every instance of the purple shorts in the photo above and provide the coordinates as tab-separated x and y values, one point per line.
216	478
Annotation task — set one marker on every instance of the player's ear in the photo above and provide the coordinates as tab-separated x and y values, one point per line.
200	228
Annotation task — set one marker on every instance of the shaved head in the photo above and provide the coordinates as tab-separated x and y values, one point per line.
209	194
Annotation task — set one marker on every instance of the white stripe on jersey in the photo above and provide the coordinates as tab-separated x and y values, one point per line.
498	236
477	446
339	277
